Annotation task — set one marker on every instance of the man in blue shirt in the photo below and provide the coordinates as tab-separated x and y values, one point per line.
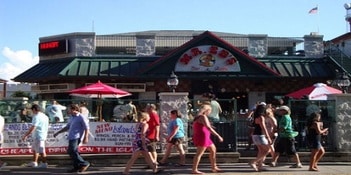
78	129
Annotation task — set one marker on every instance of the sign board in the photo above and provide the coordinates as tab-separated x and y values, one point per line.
105	137
53	47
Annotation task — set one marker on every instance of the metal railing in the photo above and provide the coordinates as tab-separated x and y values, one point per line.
232	126
339	57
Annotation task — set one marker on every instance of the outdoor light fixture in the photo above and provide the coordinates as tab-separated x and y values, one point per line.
172	81
343	82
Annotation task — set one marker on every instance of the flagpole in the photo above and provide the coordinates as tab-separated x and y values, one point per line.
315	10
317	19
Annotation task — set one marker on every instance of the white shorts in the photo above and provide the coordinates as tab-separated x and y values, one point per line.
259	140
38	146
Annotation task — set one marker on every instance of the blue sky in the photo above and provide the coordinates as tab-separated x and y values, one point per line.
22	23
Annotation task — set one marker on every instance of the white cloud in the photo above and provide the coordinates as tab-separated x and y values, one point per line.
16	62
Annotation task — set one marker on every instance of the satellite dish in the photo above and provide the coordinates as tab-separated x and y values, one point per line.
347	6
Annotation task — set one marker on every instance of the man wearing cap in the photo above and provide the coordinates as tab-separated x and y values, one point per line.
286	137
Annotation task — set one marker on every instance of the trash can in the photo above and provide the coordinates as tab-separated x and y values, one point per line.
227	131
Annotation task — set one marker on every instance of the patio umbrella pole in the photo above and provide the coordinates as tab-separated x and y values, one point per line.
100	113
99	107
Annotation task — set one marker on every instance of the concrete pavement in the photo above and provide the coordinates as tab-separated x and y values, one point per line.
329	168
229	162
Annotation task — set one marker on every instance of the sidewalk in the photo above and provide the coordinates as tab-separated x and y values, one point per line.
330	168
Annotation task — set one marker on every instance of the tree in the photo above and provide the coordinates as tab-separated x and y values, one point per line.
21	94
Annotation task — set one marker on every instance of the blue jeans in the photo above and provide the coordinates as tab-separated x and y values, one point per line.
73	152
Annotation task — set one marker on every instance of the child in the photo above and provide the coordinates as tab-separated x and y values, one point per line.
175	130
140	144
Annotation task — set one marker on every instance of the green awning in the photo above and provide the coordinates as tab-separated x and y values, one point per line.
127	67
300	66
49	70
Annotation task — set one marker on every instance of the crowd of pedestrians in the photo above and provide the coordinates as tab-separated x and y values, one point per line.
77	129
272	133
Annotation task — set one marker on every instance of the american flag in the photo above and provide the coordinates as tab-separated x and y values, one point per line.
313	10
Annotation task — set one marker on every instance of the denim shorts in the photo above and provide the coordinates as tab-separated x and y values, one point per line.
315	144
259	140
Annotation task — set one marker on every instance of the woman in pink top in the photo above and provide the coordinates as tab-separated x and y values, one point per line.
202	131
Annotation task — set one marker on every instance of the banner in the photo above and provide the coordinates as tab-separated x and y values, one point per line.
105	137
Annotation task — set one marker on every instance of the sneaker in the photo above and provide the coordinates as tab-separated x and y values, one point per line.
297	165
84	168
273	164
43	165
32	164
263	164
253	165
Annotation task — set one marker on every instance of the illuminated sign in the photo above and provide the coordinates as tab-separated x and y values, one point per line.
53	47
207	58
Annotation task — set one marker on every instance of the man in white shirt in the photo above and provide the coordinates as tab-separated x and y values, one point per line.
55	112
39	128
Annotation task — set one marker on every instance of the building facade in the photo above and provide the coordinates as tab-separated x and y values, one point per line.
248	68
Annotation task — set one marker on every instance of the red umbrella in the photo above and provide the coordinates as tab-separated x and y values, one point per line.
318	91
99	90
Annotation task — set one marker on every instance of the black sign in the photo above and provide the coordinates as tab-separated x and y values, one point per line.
53	47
